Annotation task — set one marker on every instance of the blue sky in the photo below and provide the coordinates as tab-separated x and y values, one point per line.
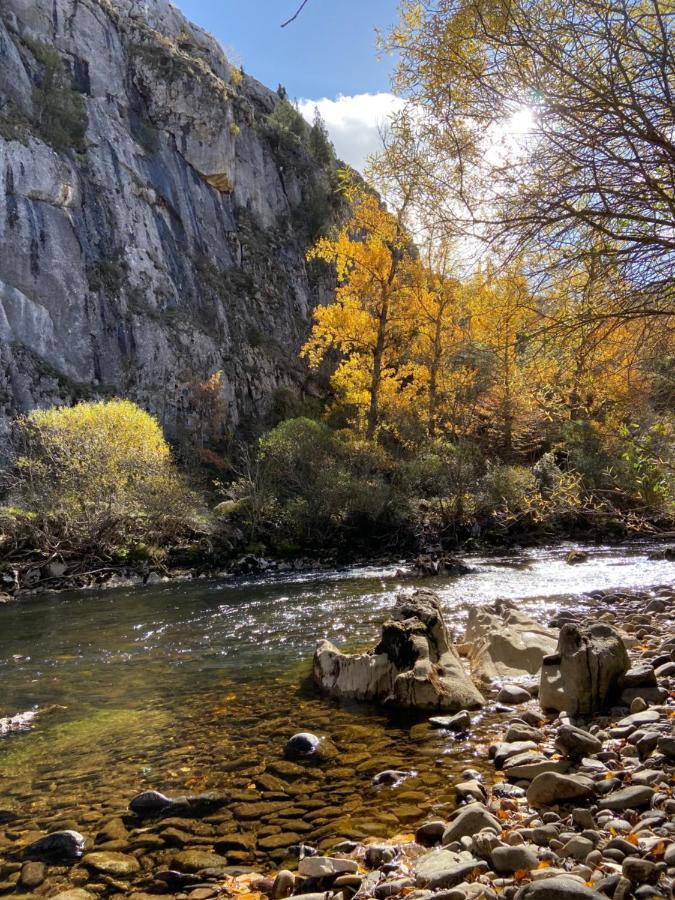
328	50
327	57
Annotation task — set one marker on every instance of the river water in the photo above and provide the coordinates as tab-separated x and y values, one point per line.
196	686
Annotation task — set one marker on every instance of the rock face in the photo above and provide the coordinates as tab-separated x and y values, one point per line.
168	241
504	642
582	676
414	664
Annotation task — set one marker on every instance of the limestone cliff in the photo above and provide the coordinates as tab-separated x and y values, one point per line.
153	224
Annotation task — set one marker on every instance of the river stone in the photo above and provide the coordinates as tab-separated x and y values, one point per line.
391	777
110	862
550	788
149	803
196	860
666	745
507	860
632	797
275	841
646	717
506	750
430	833
526	766
60	844
512	695
302	745
470	821
74	894
325	866
520	731
444	869
576	743
558	888
283	886
581	677
638	676
32	875
461	721
505	642
577	847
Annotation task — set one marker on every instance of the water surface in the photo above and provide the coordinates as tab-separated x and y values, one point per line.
197	686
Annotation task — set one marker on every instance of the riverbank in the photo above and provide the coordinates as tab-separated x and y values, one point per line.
273	807
29	579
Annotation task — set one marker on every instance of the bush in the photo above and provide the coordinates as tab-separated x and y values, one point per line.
98	477
287	126
506	490
308	485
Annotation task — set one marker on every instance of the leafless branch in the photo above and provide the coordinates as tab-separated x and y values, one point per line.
295	14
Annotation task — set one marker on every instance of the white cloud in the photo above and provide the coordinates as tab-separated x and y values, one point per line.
354	123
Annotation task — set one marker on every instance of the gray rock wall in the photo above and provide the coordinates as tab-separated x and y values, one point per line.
172	245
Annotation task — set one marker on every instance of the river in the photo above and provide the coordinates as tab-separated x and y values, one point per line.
196	686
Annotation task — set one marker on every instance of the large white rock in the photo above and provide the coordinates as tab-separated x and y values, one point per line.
582	677
414	665
505	642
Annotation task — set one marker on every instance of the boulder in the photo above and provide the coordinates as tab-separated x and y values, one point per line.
576	743
582	677
444	869
503	642
429	565
108	862
550	788
414	665
58	845
471	820
325	866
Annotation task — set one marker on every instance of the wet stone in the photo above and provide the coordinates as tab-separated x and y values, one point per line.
119	865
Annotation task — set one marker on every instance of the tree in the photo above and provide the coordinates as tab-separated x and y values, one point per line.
97	477
501	322
592	181
368	324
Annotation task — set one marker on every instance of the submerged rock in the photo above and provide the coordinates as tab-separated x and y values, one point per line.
109	862
414	664
59	845
582	677
302	745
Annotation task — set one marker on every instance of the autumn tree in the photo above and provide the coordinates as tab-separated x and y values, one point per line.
591	179
368	323
502	319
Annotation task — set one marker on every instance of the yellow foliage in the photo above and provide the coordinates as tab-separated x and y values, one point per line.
95	471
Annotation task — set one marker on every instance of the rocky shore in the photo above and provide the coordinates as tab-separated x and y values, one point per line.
549	807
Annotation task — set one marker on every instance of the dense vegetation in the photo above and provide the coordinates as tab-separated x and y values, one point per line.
528	394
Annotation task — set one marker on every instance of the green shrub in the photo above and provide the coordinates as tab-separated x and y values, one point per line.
506	490
98	477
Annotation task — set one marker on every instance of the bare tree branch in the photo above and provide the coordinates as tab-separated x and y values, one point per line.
296	14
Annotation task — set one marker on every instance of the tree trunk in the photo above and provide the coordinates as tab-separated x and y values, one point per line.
375	381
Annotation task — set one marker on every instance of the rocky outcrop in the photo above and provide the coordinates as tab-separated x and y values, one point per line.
583	675
153	218
501	641
414	664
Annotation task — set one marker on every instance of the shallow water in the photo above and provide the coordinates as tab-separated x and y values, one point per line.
196	686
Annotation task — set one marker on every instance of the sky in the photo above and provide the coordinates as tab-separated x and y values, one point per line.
327	58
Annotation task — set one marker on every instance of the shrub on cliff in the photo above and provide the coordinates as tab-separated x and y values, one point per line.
96	478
